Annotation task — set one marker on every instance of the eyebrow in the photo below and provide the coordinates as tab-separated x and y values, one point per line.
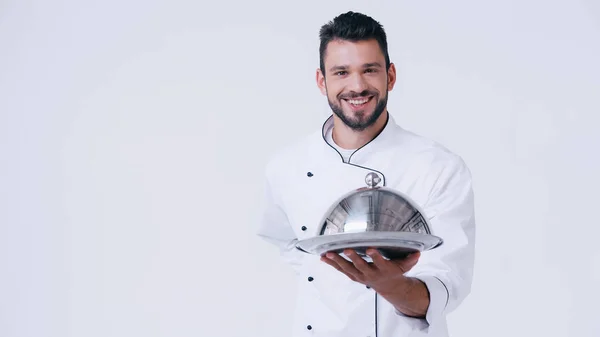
366	65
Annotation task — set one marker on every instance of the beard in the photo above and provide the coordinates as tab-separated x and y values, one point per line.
357	120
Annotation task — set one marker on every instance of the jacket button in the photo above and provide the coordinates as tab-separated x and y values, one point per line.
368	287
303	228
309	174
309	327
310	279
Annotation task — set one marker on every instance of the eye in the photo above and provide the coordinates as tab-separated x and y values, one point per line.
370	70
340	73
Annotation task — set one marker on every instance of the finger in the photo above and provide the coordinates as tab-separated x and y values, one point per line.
378	260
345	266
409	262
337	267
331	263
359	263
413	258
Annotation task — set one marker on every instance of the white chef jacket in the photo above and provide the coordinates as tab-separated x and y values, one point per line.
305	178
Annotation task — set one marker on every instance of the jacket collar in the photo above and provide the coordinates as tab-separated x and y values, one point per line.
379	142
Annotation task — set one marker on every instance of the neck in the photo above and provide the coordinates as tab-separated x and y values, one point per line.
348	138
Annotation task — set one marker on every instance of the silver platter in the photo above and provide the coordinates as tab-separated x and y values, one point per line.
392	245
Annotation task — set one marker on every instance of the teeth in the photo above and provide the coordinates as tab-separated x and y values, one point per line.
358	102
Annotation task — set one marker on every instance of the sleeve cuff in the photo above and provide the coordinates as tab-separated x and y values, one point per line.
438	298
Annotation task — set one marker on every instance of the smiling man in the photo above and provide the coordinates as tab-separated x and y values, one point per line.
342	294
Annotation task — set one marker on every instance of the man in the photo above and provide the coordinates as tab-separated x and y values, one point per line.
345	296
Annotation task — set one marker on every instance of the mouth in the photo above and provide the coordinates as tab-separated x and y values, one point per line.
358	103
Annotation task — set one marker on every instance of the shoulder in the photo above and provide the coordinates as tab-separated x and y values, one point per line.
421	146
444	175
433	157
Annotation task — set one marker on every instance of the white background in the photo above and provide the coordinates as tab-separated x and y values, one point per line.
133	136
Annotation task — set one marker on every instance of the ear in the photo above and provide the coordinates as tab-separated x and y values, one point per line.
391	77
321	82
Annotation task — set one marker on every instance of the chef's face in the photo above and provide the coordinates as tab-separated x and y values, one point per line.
356	81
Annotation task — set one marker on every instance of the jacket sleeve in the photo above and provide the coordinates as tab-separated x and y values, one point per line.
275	228
447	270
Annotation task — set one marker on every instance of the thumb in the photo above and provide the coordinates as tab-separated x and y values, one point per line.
410	261
414	256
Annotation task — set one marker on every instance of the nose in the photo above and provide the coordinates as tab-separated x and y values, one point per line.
357	83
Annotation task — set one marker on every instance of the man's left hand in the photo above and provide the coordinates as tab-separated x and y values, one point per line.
383	275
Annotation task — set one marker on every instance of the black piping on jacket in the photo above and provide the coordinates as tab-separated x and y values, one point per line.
366	168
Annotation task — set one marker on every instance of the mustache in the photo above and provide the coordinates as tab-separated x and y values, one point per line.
354	94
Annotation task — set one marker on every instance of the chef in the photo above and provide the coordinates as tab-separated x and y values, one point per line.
342	295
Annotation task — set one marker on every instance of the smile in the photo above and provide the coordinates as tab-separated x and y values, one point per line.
358	102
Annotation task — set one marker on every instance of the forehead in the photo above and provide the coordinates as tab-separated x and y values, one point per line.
353	53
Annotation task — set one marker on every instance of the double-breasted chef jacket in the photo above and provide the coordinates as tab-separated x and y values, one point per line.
306	177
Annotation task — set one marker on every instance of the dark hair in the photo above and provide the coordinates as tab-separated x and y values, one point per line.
352	26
